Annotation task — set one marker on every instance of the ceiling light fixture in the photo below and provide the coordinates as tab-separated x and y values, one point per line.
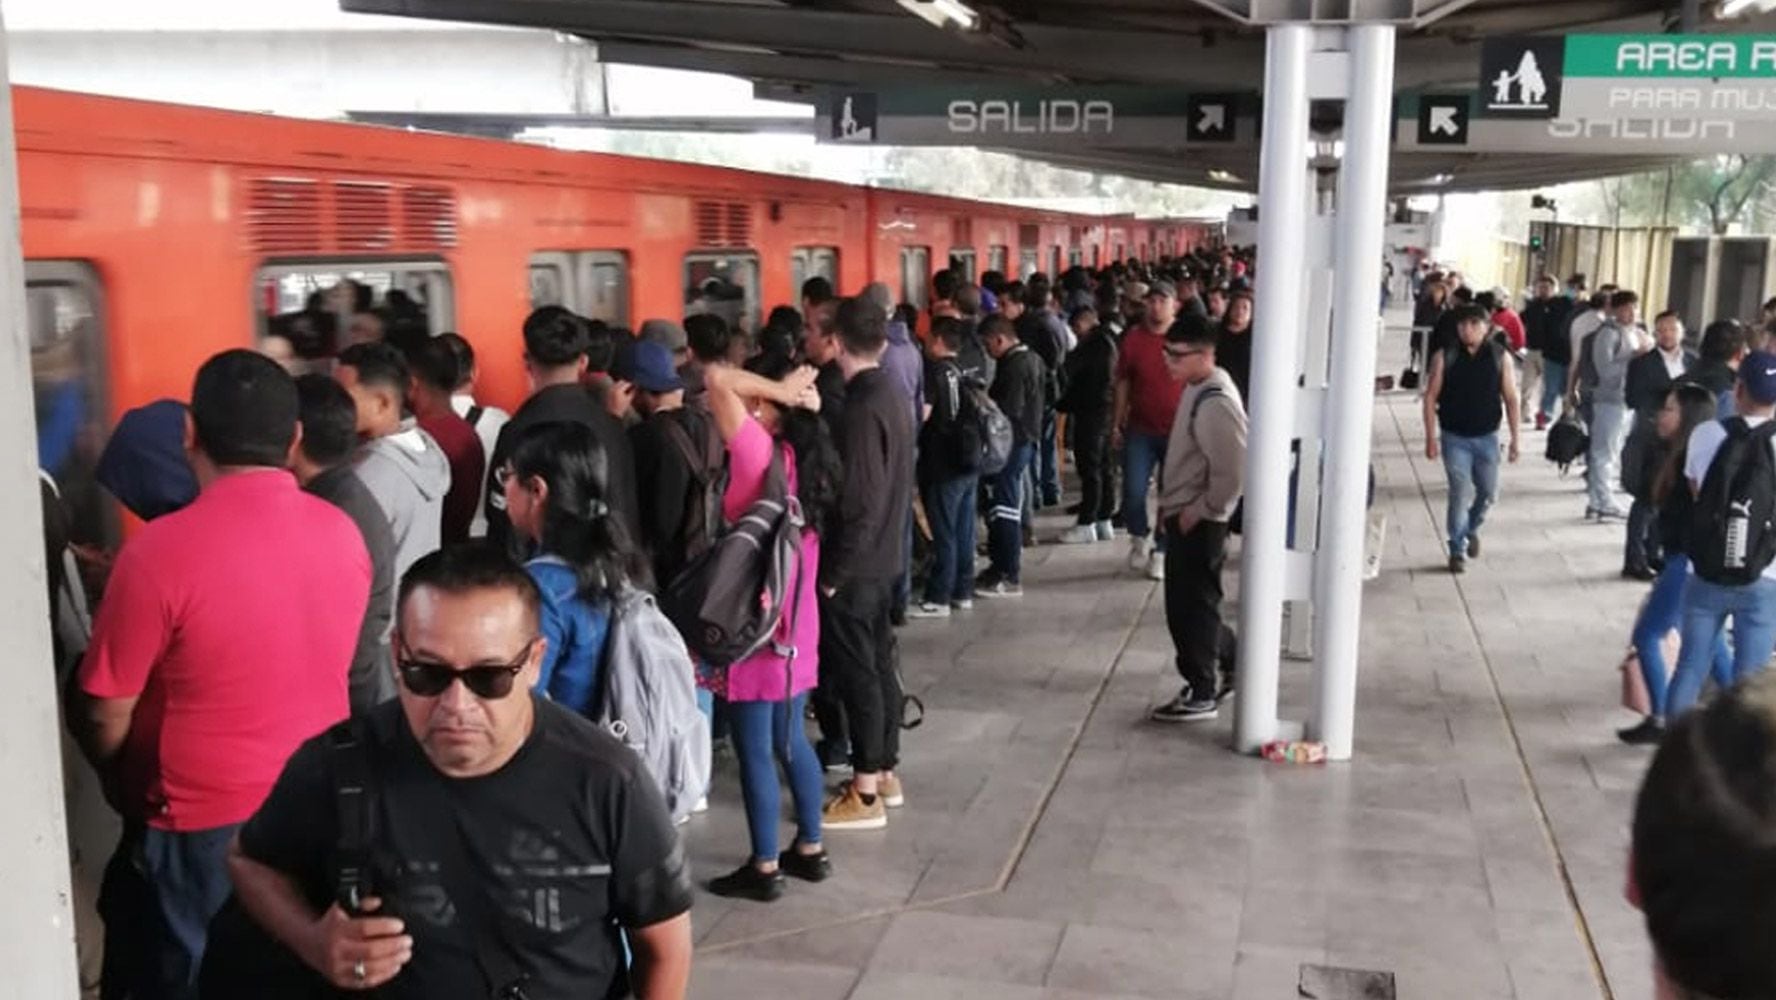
944	13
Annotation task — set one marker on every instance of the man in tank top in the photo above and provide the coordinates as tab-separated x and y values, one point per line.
1473	388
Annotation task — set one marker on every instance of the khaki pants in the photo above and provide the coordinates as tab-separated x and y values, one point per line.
1529	382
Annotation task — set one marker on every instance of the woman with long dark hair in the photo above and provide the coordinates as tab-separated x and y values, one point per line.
771	411
557	496
1687	406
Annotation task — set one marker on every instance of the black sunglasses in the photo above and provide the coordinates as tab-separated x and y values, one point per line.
492	682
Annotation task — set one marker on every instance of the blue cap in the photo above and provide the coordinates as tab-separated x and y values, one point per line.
989	302
651	368
1758	373
143	464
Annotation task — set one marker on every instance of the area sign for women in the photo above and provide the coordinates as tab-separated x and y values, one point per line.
1696	77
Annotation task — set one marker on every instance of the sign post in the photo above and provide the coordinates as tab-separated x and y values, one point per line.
1037	118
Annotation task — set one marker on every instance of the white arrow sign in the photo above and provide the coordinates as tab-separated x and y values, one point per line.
1443	120
1214	118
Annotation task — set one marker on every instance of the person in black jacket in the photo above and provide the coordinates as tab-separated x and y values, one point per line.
1046	334
861	558
1544	335
1091	371
949	460
1650	377
555	343
1017	389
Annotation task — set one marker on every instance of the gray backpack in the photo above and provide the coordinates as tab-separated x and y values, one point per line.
649	700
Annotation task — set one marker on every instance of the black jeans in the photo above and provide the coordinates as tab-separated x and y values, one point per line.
1097	468
1642	550
1193	595
858	653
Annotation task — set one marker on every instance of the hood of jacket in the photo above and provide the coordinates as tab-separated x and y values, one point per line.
413	454
898	333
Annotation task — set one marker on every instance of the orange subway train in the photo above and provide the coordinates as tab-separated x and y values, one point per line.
156	235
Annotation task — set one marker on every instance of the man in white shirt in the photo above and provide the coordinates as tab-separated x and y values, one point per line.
1588	315
1612	350
487	420
1707	605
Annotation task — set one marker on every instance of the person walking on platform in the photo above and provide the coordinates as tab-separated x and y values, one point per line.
1544	368
1473	386
1609	351
1146	404
223	641
1723	470
1200	487
1650	378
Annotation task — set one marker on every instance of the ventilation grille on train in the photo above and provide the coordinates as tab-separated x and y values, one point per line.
299	215
363	221
284	215
723	224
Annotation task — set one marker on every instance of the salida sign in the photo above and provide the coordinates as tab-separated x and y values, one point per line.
1046	118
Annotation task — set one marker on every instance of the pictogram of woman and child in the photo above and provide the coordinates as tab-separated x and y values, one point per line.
1532	88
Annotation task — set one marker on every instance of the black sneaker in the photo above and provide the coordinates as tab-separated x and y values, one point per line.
1648	733
747	882
1458	565
807	867
1644	574
1473	546
1185	709
1226	689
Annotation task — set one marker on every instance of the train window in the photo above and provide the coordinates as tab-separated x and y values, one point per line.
603	286
725	285
998	258
1075	257
549	275
64	310
962	263
1027	263
1054	261
418	290
812	262
915	276
1121	252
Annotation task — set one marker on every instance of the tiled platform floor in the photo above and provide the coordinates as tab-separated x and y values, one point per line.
1057	845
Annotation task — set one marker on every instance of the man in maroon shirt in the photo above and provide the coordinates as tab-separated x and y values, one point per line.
1146	401
435	377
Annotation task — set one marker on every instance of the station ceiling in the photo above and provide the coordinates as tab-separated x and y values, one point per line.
798	50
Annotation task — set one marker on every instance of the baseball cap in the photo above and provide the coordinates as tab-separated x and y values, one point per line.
989	302
651	368
1758	374
1162	288
665	333
1136	290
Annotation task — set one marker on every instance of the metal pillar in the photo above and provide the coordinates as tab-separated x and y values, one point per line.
37	924
1362	205
1283	210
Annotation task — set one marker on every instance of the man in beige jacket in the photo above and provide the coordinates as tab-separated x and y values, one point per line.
1199	488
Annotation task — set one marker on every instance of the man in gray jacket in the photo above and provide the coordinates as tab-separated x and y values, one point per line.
402	466
1199	487
1616	344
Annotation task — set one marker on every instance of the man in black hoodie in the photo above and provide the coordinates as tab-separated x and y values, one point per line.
1017	389
555	342
1091	376
949	457
1724	344
860	561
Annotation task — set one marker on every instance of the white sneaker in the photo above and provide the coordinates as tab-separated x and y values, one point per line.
965	604
1079	534
1104	530
926	609
1156	566
1139	550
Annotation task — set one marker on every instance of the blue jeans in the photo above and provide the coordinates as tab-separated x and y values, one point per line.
1142	457
1603	467
160	892
1472	465
1706	608
762	732
1553	386
1664	612
949	506
1048	474
1005	529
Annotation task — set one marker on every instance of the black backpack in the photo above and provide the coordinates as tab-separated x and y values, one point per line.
1567	441
730	599
707	458
1733	527
992	435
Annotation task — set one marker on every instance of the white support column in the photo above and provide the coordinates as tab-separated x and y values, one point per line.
1282	229
37	923
1362	206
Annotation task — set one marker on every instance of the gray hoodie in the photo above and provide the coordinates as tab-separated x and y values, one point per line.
408	475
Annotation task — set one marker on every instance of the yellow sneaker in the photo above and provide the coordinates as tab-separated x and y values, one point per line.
892	795
847	811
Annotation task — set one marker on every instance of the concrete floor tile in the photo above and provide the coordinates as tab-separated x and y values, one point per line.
993	949
723	977
1114	960
884	985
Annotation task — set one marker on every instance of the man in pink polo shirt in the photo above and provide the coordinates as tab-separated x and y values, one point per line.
1146	403
222	642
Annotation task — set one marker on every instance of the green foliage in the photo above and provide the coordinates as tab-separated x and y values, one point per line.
1709	195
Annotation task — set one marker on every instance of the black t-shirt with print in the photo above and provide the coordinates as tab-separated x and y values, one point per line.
570	841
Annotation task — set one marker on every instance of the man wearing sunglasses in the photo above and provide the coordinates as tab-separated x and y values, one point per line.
1200	484
512	843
